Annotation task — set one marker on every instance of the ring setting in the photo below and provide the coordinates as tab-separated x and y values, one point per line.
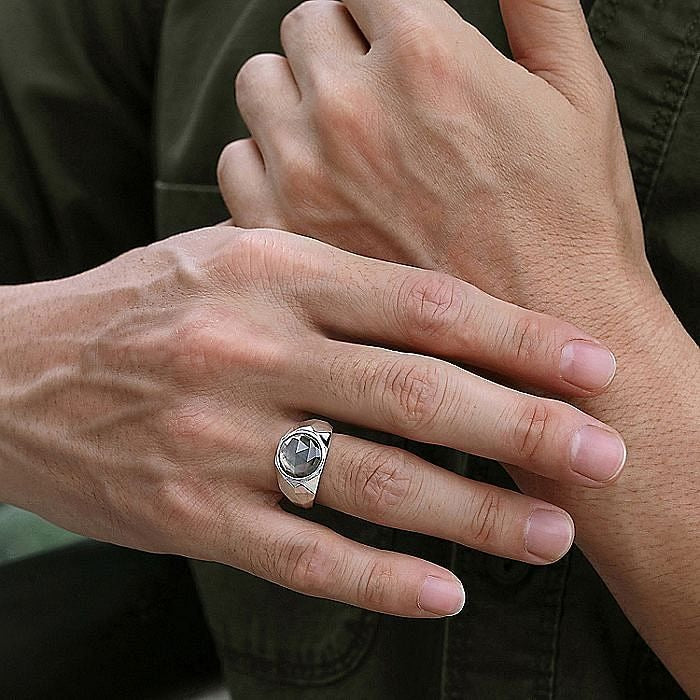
300	459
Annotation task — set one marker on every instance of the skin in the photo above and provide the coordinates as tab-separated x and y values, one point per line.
141	403
403	134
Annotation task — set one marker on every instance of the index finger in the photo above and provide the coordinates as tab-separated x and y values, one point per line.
384	303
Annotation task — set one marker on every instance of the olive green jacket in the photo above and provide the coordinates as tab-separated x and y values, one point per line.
112	118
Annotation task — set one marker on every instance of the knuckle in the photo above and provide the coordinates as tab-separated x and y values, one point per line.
422	51
302	182
190	344
228	168
303	12
333	109
227	160
249	73
193	427
302	564
524	339
181	502
429	305
376	584
203	346
486	521
381	481
413	393
259	68
532	426
187	424
347	116
251	256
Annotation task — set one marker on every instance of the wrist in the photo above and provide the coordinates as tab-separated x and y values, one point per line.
23	326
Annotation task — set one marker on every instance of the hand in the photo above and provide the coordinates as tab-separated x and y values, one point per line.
403	134
395	129
142	403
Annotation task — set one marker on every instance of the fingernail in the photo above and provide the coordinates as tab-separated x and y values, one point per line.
549	534
587	365
597	453
441	597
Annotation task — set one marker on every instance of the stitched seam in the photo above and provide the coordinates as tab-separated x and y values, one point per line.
665	120
556	629
602	17
316	674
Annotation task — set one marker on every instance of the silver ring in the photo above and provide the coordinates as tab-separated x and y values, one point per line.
300	458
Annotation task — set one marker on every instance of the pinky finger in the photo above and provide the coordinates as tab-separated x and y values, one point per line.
312	559
243	183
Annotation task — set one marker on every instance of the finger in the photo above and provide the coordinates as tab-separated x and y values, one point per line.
317	36
435	402
551	39
378	18
243	185
267	97
440	315
311	559
395	488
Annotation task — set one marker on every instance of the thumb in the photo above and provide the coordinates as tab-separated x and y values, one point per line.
551	39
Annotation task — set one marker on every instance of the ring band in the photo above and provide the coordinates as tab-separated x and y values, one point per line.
300	458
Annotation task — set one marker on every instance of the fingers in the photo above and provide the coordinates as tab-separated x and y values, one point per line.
316	561
551	39
392	487
440	315
318	35
435	402
244	186
266	94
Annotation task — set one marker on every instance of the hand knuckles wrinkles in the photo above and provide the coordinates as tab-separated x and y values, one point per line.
376	584
302	563
201	347
524	339
253	257
532	426
412	393
429	305
486	519
381	481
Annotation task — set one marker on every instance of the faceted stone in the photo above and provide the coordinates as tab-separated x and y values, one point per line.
301	455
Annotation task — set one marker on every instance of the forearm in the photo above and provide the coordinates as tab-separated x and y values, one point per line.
642	534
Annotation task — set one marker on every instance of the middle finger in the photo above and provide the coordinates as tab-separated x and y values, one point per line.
433	401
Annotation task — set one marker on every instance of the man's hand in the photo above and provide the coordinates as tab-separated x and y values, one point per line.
399	132
395	129
142	403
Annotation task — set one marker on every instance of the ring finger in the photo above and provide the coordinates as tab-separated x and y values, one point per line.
392	487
